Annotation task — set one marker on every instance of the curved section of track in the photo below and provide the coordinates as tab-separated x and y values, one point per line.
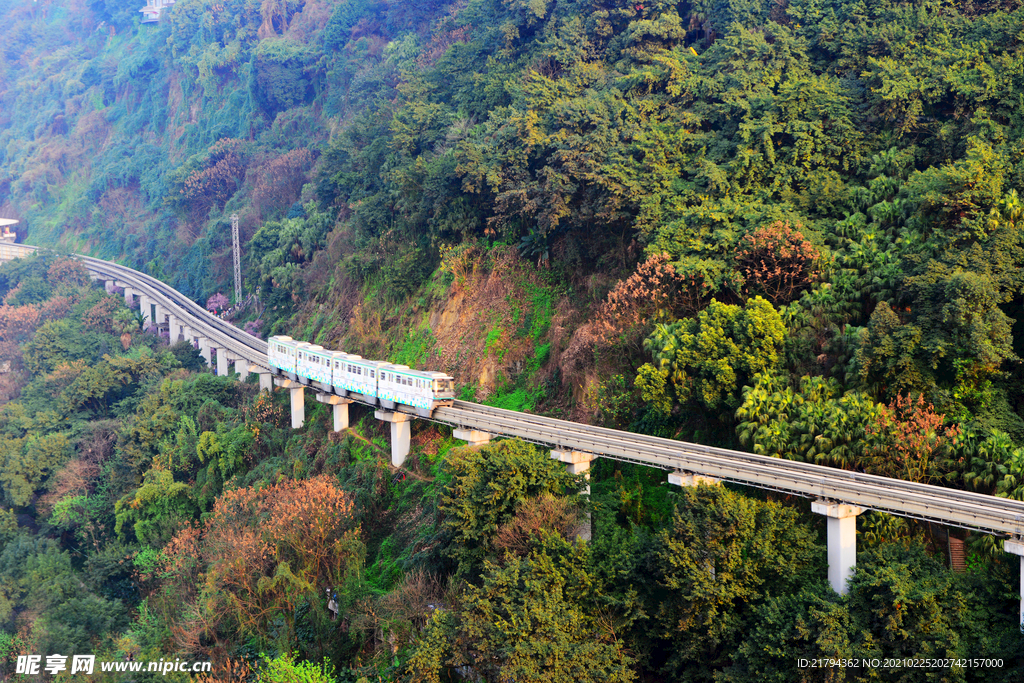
909	499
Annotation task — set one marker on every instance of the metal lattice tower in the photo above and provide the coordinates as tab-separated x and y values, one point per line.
238	258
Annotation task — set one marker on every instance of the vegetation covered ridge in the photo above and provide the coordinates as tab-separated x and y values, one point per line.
789	226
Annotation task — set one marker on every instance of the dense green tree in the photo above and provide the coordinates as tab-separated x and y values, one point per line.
532	618
721	557
711	356
487	484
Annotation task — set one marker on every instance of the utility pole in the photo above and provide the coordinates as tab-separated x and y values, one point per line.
238	259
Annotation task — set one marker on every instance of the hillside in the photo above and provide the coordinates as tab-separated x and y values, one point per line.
788	226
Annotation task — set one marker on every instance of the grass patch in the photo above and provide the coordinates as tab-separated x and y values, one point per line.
493	343
518	399
416	348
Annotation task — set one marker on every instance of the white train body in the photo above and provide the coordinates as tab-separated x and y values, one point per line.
281	354
369	381
314	363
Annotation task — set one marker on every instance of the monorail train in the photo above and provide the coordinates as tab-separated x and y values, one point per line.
369	381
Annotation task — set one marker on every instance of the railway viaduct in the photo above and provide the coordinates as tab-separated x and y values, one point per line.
839	495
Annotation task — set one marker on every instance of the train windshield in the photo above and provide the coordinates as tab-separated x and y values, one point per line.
443	386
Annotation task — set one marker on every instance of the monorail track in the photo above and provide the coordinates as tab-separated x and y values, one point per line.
921	501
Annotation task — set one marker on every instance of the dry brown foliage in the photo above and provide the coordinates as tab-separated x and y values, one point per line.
17	323
229	672
218	181
777	262
101	316
279	182
532	516
392	621
263	551
648	293
67	271
905	438
654	291
306	25
55	308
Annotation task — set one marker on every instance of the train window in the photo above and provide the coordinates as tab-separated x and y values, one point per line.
371	375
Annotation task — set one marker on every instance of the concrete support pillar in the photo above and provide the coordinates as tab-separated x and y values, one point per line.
298	399
474	437
842	541
129	297
108	286
578	462
266	381
340	409
298	396
242	368
1016	547
146	310
401	434
204	350
223	361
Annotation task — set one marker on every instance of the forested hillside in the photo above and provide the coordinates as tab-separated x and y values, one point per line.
787	226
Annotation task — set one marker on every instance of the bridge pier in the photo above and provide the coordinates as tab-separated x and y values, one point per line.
472	436
340	406
204	350
109	286
401	434
129	297
266	381
578	462
176	329
145	307
242	368
842	541
222	362
1015	546
298	399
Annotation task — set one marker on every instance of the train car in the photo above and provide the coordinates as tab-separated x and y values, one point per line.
359	378
314	363
281	355
338	363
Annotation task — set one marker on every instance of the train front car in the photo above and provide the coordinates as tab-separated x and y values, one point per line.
421	391
281	356
442	387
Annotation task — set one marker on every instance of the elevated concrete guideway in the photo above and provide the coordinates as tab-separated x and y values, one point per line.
840	495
